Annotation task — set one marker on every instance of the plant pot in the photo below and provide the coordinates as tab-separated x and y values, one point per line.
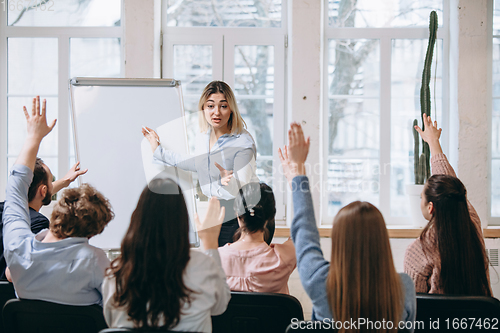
413	191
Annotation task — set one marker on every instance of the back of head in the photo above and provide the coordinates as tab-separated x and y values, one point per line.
154	255
40	177
81	212
362	281
461	249
255	207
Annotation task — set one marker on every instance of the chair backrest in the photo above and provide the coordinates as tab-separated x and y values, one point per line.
32	316
6	293
452	313
258	312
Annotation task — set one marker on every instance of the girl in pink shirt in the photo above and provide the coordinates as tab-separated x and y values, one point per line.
250	263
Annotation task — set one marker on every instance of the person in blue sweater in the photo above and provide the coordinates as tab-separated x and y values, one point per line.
359	290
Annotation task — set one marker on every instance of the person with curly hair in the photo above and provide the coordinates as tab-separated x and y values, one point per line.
57	265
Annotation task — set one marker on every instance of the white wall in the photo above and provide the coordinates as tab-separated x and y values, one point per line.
470	99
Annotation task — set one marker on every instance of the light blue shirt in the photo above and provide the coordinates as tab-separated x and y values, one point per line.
234	152
69	271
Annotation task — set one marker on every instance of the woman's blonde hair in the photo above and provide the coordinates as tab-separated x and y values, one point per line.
236	122
362	281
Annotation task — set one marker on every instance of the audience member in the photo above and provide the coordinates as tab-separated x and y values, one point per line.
57	264
158	281
250	263
40	194
360	281
449	257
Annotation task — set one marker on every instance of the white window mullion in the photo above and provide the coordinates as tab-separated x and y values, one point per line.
324	131
234	38
3	105
170	39
81	32
385	127
279	128
63	109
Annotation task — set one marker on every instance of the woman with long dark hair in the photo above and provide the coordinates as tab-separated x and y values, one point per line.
158	281
250	263
449	257
360	280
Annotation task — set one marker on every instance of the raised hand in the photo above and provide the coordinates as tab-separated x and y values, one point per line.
74	173
225	175
298	146
153	138
37	122
294	156
37	130
70	177
431	134
209	230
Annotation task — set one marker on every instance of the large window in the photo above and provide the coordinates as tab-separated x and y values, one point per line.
372	95
243	44
42	45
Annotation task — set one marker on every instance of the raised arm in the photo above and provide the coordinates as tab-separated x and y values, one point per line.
70	177
431	135
439	162
37	130
208	231
312	266
16	218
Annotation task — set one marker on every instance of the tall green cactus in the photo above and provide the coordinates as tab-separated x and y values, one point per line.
422	164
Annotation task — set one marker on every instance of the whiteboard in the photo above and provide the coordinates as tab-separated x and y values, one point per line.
107	116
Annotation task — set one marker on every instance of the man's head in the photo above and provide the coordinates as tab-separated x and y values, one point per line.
81	212
41	186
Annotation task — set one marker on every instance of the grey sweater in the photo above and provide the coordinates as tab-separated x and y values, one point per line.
312	266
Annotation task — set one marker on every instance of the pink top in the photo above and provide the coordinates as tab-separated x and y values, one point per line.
261	269
425	269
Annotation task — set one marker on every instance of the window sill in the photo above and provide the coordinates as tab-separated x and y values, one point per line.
394	232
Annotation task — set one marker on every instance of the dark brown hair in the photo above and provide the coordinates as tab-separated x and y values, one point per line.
154	255
256	208
461	249
81	212
40	177
362	281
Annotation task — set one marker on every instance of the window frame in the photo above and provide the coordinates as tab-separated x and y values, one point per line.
63	35
492	220
385	37
223	40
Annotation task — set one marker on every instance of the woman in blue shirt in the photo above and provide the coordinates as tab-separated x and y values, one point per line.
359	284
225	152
